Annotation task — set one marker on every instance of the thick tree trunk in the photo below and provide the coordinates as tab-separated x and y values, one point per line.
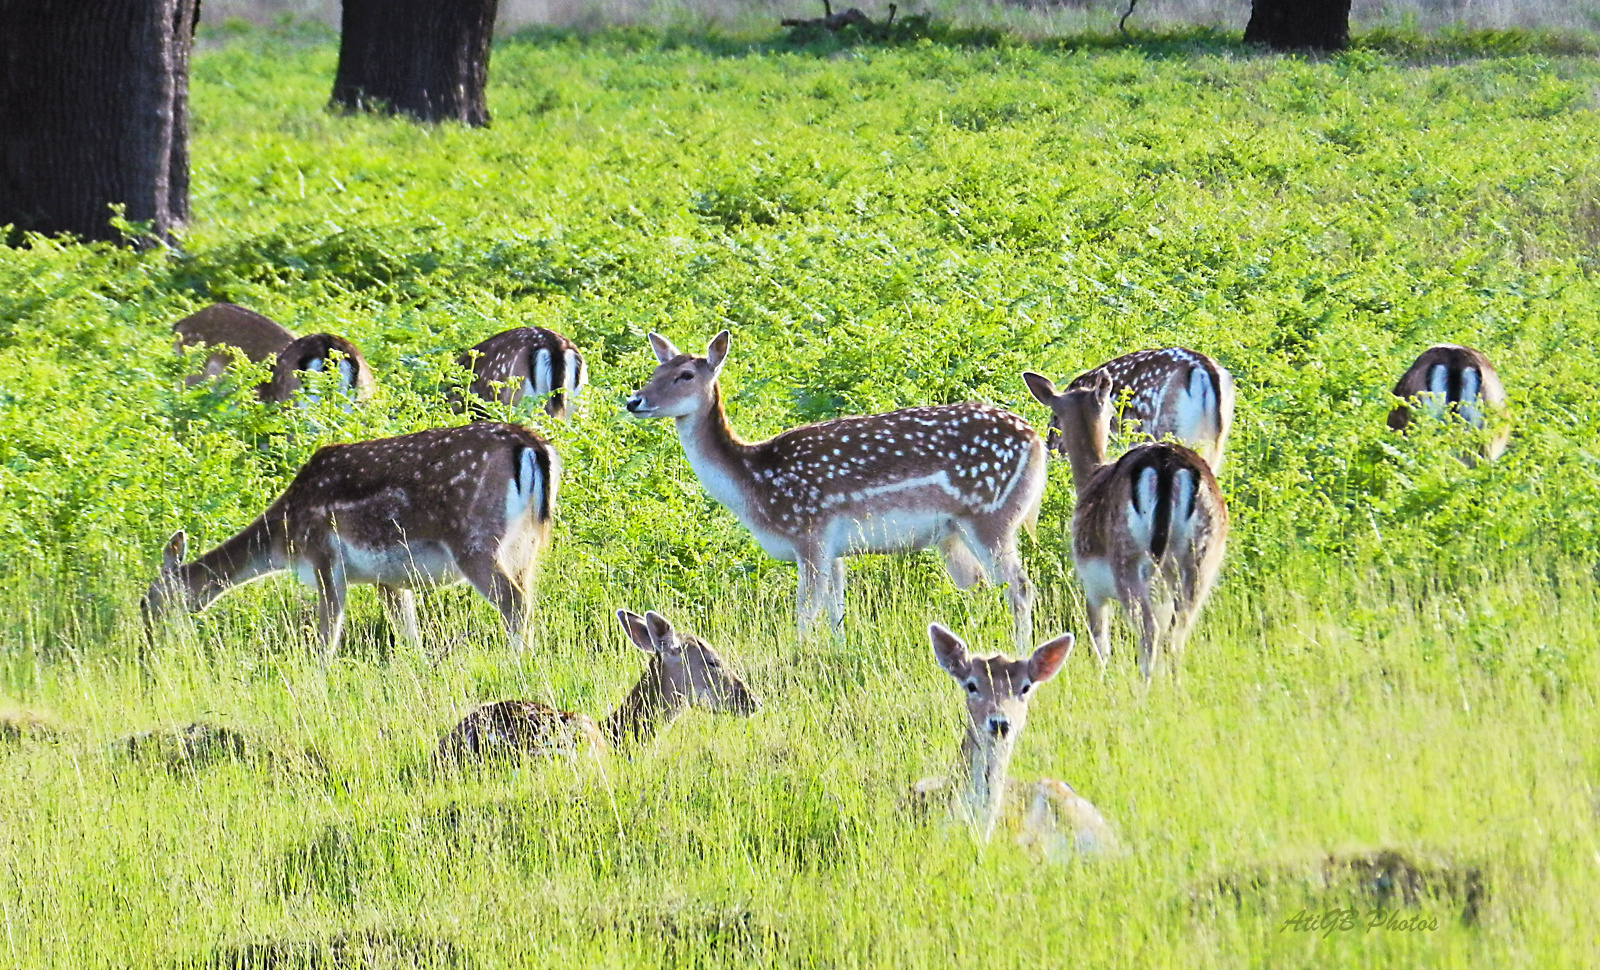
1299	25
425	58
94	113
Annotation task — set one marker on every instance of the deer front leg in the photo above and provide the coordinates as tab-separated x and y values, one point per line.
330	607
810	591
400	606
835	597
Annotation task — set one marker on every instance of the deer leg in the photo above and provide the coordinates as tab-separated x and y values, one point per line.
496	587
836	597
400	606
964	569
810	592
1143	614
1099	616
1003	565
330	607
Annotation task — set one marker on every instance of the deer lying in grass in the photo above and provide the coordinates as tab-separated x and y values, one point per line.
962	477
1149	530
1172	391
526	362
1447	378
682	672
226	325
1047	814
423	509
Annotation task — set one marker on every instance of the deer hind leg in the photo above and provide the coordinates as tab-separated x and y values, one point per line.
330	607
835	596
1136	600
498	588
400	606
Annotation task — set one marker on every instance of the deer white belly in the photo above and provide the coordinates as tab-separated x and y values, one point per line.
899	530
411	565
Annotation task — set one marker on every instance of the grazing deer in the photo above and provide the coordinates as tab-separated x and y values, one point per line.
683	671
430	508
526	362
313	353
962	477
223	325
1048	814
1148	531
1172	391
226	325
1449	378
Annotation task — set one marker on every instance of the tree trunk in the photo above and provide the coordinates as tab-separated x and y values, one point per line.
1299	25
94	110
425	58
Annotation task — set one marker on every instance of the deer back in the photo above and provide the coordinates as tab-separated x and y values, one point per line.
1154	500
1169	391
224	325
314	352
516	728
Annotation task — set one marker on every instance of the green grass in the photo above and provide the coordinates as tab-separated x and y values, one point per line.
1401	654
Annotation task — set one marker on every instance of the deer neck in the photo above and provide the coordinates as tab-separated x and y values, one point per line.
252	553
717	455
644	712
985	762
1087	456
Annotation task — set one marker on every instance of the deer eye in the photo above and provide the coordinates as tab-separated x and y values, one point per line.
971	686
687	375
1025	688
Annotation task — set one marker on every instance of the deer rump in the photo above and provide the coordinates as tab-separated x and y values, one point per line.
1155	491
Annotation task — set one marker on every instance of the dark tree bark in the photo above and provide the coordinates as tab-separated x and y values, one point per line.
1299	25
94	110
425	58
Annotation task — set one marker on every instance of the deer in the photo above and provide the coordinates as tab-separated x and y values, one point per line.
1171	391
962	478
1048	815
1449	378
1148	530
259	338
436	507
526	362
681	671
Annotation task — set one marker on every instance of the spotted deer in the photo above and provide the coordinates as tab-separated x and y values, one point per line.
472	503
1447	378
1046	814
960	477
1148	531
222	326
682	671
526	362
1172	391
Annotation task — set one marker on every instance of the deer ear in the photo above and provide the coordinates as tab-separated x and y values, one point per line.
663	348
633	625
661	632
1042	388
1050	658
175	551
948	650
1102	389
717	350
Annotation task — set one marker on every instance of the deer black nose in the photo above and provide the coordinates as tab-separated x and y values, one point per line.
635	403
999	726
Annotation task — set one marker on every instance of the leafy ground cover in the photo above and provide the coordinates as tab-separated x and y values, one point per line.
1400	657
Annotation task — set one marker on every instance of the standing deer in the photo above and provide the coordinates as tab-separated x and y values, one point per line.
962	477
683	671
227	325
1048	814
423	509
526	362
1450	378
1148	531
1172	391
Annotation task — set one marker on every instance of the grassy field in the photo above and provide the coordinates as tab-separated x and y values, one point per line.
1400	657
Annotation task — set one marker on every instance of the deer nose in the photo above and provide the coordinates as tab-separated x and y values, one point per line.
635	403
999	726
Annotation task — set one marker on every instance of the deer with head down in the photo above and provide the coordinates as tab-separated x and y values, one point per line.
527	362
1148	531
1171	391
222	326
1451	379
436	507
962	478
1046	814
682	671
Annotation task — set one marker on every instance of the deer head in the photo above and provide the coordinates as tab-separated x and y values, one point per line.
997	692
685	669
682	385
1080	419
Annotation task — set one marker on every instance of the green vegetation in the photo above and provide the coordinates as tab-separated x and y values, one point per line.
1401	653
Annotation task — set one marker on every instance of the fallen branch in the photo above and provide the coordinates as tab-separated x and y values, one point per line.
850	17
